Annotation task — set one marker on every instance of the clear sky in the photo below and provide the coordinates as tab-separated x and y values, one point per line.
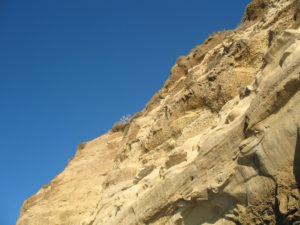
70	69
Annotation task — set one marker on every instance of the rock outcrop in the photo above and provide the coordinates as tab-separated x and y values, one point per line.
218	144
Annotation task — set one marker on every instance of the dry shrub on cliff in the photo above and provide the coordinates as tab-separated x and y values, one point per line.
180	59
118	127
121	126
137	115
125	118
81	146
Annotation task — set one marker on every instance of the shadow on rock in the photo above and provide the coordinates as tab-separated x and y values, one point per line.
297	159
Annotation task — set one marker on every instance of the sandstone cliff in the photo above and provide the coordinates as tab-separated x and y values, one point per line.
218	144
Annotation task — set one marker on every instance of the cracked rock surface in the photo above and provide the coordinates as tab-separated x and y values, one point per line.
218	144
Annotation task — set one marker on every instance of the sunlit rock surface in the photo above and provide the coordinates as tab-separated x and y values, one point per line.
218	144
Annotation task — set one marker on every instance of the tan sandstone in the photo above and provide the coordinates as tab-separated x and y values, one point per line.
218	144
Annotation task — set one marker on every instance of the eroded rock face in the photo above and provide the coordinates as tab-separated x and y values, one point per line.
219	144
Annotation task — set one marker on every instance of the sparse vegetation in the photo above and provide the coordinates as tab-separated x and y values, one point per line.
118	127
180	59
81	146
137	115
45	186
125	118
121	126
247	12
196	48
211	36
214	35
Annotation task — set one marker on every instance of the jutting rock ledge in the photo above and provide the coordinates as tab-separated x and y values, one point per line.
218	144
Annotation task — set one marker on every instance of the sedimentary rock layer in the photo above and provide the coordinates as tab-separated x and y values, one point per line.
218	144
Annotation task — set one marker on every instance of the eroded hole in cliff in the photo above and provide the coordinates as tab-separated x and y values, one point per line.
212	78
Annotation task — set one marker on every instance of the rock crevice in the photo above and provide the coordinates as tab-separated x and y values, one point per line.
218	144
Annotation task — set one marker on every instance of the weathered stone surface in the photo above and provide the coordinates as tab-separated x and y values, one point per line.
219	144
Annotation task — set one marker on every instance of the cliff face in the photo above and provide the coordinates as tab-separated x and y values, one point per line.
218	144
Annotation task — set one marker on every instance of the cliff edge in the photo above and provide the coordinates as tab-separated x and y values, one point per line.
218	144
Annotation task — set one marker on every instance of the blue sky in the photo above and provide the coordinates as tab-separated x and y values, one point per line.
70	69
